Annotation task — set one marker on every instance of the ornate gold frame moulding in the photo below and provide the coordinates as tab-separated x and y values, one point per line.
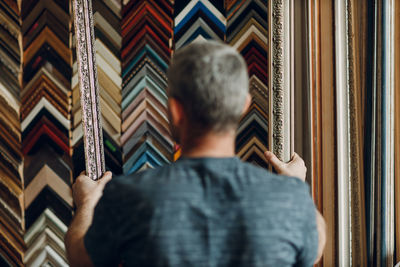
88	87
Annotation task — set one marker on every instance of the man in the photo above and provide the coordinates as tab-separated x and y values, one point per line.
208	208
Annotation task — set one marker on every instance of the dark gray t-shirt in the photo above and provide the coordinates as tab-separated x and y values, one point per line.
204	212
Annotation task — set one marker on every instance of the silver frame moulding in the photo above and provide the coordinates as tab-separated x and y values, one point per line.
89	89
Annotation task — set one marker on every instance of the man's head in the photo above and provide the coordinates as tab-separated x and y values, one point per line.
208	88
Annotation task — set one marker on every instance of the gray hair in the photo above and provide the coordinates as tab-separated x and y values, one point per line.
210	80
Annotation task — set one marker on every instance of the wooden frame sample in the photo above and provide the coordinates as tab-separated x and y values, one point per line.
356	58
322	85
88	85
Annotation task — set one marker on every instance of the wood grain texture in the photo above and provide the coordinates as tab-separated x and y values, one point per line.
326	93
356	26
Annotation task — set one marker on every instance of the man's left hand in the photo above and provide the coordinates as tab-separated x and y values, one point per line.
86	192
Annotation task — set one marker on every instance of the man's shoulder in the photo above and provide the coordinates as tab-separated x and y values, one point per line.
160	180
140	182
139	178
274	181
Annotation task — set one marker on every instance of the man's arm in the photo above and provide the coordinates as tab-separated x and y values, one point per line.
321	228
297	168
76	251
86	194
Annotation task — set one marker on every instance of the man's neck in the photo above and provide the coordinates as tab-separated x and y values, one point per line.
210	145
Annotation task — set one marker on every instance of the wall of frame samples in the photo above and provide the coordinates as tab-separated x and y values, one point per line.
345	82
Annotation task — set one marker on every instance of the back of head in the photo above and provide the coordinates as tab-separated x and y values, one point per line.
210	80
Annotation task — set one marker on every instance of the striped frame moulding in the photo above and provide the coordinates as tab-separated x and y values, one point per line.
146	31
11	158
45	127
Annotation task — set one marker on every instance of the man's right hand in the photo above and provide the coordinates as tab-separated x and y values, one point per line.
295	167
86	192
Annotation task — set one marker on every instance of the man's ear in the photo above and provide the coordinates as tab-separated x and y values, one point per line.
247	103
176	111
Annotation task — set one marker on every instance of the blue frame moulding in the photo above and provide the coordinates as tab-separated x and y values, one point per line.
146	129
146	152
199	7
144	82
149	52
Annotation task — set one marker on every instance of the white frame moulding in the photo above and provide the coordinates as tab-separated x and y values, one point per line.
343	155
281	78
388	109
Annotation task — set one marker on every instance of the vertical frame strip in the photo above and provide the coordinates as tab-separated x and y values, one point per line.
342	104
280	79
387	135
397	126
326	118
354	54
88	85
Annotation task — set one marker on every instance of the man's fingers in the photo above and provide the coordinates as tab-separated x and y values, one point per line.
273	160
105	178
296	158
82	177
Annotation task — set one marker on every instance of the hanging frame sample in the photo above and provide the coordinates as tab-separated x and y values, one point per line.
379	170
350	56
322	90
365	132
386	148
356	25
397	127
88	85
281	80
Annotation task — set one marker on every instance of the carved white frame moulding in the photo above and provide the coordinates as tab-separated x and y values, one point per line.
342	109
88	87
281	78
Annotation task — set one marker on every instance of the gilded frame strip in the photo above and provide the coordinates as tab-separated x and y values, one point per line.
88	87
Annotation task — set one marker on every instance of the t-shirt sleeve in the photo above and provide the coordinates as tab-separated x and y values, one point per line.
308	252
100	239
